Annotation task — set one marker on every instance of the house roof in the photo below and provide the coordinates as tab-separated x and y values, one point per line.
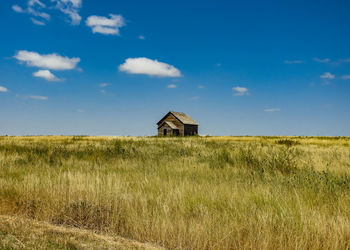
171	125
182	117
185	119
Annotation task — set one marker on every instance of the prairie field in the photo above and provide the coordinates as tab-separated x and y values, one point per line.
176	193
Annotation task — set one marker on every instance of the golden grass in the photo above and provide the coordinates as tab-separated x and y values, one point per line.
193	193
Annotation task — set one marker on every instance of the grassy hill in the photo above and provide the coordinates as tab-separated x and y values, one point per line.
199	192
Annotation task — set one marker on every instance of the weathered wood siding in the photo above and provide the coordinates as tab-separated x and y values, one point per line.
161	129
190	130
177	123
170	131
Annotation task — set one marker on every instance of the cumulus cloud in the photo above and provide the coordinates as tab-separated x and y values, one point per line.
272	110
325	60
327	75
201	86
172	86
240	91
346	77
47	75
141	37
105	25
293	62
3	89
49	61
149	67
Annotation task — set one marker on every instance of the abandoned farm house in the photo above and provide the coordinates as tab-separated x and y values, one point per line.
176	123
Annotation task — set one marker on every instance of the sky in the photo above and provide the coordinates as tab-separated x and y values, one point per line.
84	67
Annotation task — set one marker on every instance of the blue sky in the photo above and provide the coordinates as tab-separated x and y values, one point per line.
116	67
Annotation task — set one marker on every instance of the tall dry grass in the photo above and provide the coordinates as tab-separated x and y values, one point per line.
193	193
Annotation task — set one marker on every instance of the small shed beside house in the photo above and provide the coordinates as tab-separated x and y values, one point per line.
176	123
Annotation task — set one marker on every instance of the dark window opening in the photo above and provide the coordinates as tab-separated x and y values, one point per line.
165	131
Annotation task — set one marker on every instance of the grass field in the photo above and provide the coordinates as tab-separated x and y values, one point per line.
185	193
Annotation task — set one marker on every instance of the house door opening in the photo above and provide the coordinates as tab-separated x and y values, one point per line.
165	131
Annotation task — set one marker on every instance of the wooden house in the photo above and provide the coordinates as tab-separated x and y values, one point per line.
176	123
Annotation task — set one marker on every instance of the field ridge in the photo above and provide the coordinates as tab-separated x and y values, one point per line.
18	232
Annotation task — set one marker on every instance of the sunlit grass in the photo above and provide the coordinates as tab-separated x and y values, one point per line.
199	192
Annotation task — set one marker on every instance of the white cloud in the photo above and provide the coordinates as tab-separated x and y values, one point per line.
149	67
293	62
17	9
36	2
75	3
70	8
104	84
104	21
201	86
40	14
80	110
37	22
240	91
104	25
3	89
38	97
36	8
346	77
272	110
172	86
105	30
49	61
47	75
141	37
325	60
327	75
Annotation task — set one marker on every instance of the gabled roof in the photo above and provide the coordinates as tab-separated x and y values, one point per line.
185	119
182	117
171	125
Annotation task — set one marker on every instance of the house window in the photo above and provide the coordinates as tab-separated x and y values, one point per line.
165	131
